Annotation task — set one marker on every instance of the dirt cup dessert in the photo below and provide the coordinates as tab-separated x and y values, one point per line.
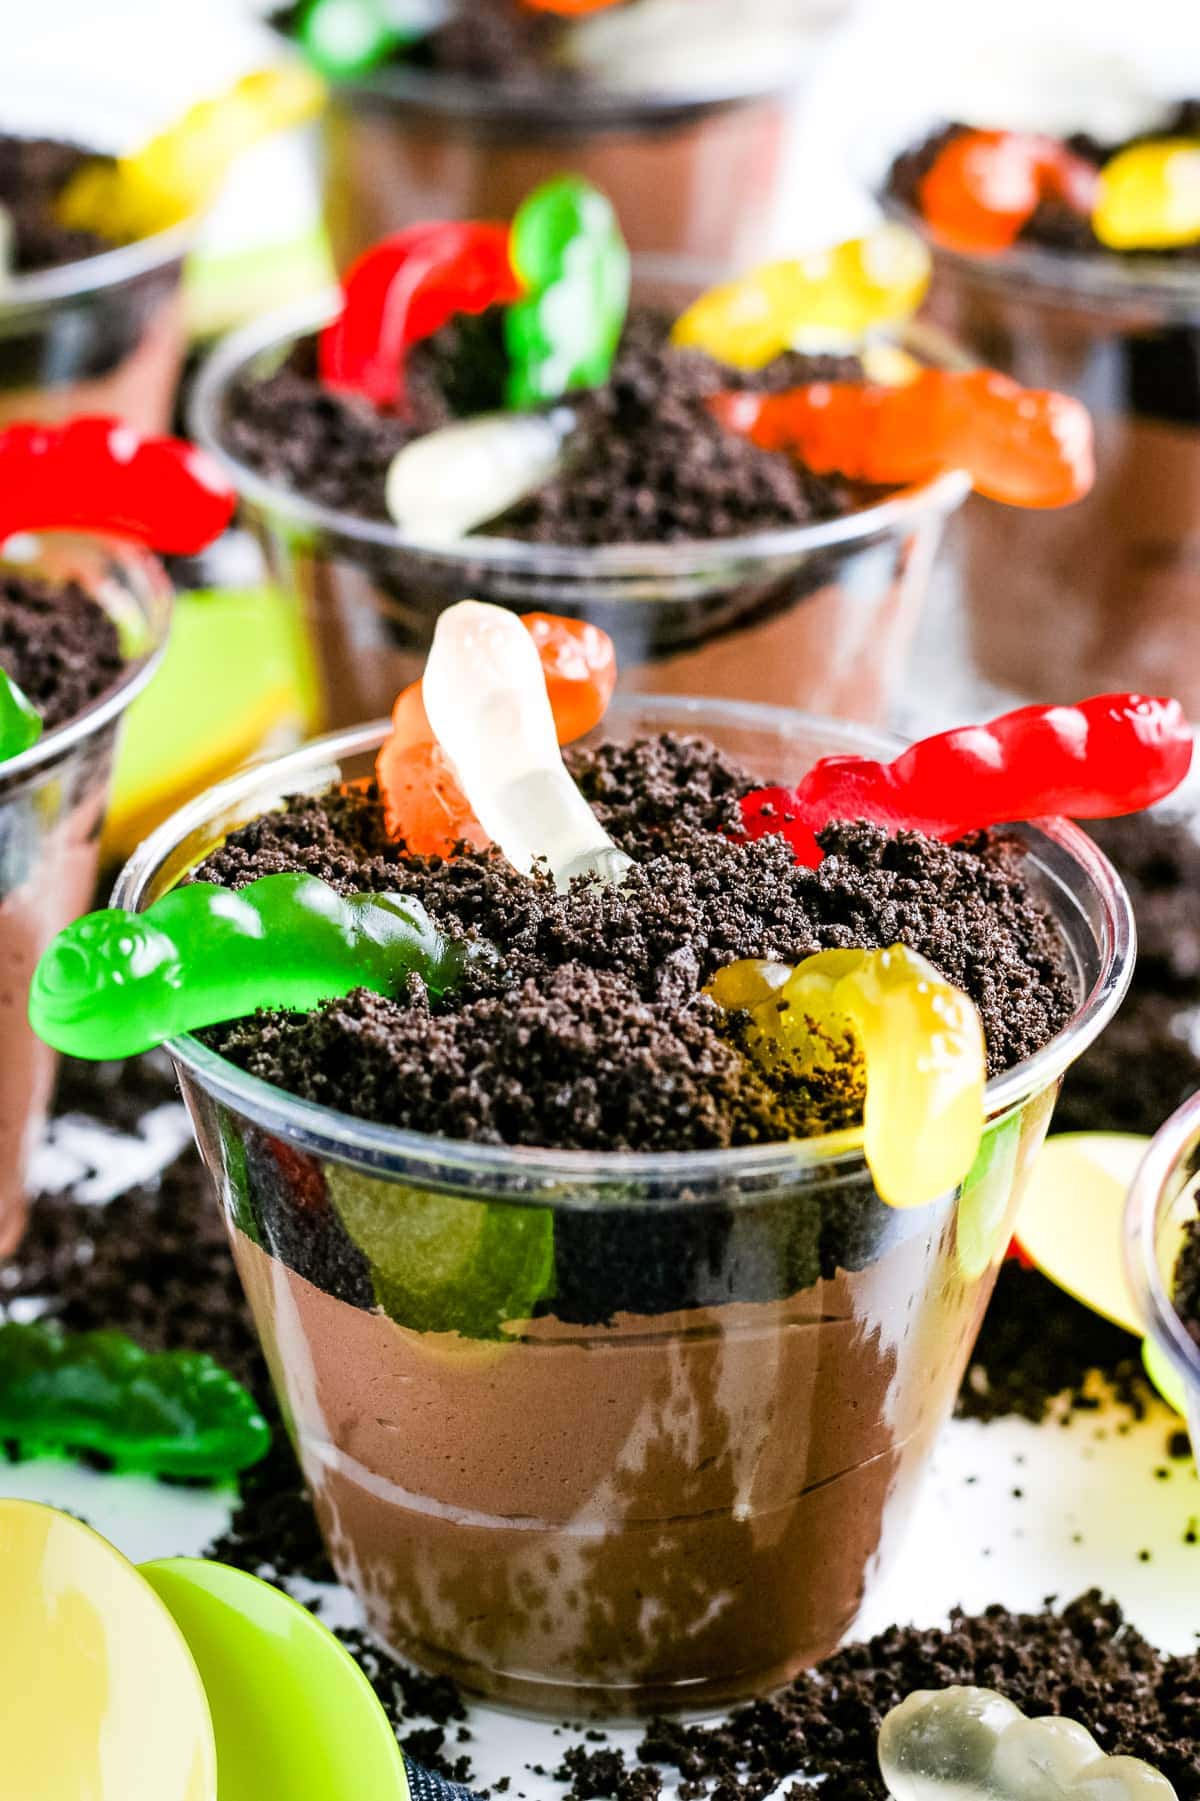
678	108
513	411
1077	263
83	618
613	1334
1162	1257
91	256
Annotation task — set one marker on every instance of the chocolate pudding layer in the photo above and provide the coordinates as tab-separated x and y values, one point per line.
811	599
566	1430
112	344
61	648
1103	595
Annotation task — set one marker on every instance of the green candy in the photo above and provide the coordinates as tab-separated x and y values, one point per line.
115	983
344	38
20	721
567	248
171	1413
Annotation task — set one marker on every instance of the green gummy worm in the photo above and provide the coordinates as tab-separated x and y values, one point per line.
20	721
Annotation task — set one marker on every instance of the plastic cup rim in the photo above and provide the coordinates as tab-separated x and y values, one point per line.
1160	1317
92	274
940	497
342	1137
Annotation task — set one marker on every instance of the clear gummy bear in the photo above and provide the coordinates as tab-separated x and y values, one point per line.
971	1744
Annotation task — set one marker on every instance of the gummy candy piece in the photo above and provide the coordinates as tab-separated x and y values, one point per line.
180	171
423	803
98	475
1028	447
503	746
344	38
1111	755
20	721
842	293
972	1744
443	1264
922	1045
570	9
1148	197
116	983
404	289
442	485
173	1413
568	251
984	186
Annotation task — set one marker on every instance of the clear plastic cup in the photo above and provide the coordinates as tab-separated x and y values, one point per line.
1164	1199
53	800
1103	595
104	335
615	1432
692	169
818	616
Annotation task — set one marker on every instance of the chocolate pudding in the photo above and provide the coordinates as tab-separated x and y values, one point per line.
681	115
571	1409
717	568
1103	595
87	325
82	624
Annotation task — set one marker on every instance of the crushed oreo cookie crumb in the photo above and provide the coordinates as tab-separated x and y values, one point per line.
58	645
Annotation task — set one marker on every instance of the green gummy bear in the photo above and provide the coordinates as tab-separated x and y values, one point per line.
440	1263
567	248
20	721
115	983
168	1413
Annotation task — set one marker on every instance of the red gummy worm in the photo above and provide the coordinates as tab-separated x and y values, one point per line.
1114	754
405	289
1028	447
984	186
98	474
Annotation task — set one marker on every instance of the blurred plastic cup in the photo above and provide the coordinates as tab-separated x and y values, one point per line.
53	799
817	616
1163	1201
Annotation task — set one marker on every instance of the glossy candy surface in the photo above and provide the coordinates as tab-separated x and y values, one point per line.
1148	197
984	186
837	294
406	288
170	1413
96	474
115	983
568	252
443	485
344	38
20	721
972	1744
922	1046
504	746
1028	447
423	802
179	172
1111	755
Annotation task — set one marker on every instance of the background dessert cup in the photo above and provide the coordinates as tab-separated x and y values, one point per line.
52	805
104	335
1104	594
819	616
1164	1199
614	1432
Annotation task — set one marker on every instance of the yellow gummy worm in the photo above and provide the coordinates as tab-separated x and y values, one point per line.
841	293
922	1045
180	171
1148	197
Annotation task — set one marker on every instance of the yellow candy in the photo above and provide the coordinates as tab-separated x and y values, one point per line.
922	1046
830	296
1148	197
179	172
